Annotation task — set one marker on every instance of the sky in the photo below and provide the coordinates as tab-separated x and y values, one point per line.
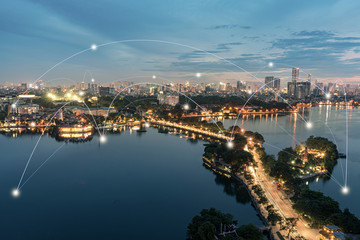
224	40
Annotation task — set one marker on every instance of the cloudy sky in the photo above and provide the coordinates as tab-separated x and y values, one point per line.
321	37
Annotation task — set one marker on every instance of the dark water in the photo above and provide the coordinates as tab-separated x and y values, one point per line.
145	186
329	122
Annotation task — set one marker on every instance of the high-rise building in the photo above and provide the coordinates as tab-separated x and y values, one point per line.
295	74
277	83
269	81
291	89
302	90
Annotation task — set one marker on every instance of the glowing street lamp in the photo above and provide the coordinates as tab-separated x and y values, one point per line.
230	145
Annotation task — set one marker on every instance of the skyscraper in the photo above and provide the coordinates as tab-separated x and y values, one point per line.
295	74
269	81
277	83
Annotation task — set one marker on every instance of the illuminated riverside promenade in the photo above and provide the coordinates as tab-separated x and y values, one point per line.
218	136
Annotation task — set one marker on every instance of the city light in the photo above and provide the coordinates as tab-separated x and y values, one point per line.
15	193
103	139
13	105
33	124
309	125
345	190
198	75
186	107
230	145
328	96
271	64
93	47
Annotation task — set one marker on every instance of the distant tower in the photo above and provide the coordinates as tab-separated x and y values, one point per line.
295	74
269	81
295	79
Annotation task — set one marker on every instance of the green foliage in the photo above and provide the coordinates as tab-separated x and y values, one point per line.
318	208
44	102
257	137
207	226
287	155
237	158
250	232
346	220
323	144
208	223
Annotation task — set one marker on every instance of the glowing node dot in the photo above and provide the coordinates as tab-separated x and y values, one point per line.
92	80
147	124
230	144
271	64
81	93
15	193
13	105
186	106
198	75
309	125
345	190
153	76
102	139
93	47
328	95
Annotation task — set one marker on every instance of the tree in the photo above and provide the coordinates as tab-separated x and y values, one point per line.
200	225
289	225
207	225
206	231
250	232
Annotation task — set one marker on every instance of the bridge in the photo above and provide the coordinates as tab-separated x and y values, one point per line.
205	133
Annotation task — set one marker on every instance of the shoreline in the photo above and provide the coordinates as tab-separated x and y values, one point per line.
254	203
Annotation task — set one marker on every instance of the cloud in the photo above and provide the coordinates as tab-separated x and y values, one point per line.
324	51
230	26
225	46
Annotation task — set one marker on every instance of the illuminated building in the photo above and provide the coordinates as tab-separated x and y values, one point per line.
331	232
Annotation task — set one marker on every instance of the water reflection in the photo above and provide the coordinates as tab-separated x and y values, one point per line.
231	187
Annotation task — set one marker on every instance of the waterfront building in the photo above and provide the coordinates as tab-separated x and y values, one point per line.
94	111
331	232
27	108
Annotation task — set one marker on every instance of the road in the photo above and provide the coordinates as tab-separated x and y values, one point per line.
280	202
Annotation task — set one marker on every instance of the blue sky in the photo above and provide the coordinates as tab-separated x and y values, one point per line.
321	37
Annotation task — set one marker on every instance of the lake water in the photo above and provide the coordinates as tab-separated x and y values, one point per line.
149	185
146	186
